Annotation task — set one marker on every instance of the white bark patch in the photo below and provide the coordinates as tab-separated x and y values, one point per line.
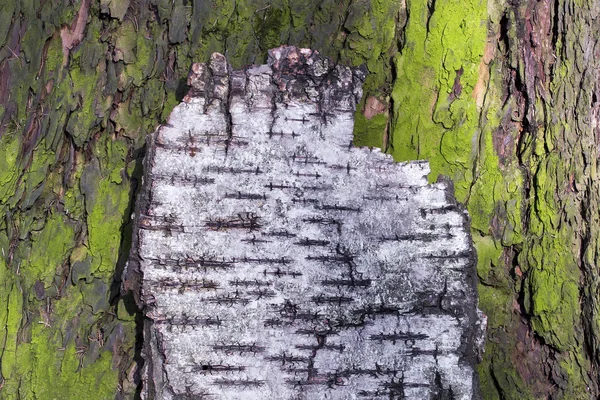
279	262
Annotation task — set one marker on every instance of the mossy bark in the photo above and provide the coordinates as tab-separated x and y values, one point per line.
501	96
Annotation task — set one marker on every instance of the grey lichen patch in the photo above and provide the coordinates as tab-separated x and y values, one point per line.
276	261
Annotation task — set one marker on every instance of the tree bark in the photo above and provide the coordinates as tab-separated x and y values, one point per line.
269	265
501	96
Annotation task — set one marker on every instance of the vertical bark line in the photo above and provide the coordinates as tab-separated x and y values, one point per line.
581	36
226	108
586	114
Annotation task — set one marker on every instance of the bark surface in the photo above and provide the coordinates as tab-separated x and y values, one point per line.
277	261
500	96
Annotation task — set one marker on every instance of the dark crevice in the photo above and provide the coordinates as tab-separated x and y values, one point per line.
139	361
344	29
399	40
504	27
182	89
430	11
497	385
227	111
441	392
555	25
126	228
116	290
521	288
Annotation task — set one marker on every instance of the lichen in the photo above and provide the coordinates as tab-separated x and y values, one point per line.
48	250
432	118
107	198
82	118
370	133
9	166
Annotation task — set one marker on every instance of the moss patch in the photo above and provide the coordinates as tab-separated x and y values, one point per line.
435	117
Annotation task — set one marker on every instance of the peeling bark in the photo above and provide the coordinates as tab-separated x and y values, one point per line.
278	262
73	35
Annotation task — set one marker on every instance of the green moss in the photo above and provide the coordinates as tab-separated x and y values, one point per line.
494	298
575	367
106	204
180	17
83	118
93	53
268	26
169	104
117	8
11	316
488	255
30	42
126	43
128	119
9	166
37	174
72	197
97	381
553	291
142	67
437	116
7	9
498	371
369	133
442	49
122	313
371	40
152	99
50	249
49	370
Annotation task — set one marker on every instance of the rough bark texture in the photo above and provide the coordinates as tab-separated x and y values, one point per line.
279	262
81	84
501	96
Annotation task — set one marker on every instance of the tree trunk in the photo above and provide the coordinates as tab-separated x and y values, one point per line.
501	96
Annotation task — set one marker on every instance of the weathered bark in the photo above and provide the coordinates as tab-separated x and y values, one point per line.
278	262
501	96
546	133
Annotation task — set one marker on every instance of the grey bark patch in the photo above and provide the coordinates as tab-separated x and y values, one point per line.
40	291
96	295
89	183
277	261
81	270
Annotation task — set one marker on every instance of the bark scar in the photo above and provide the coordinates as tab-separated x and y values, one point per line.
73	35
